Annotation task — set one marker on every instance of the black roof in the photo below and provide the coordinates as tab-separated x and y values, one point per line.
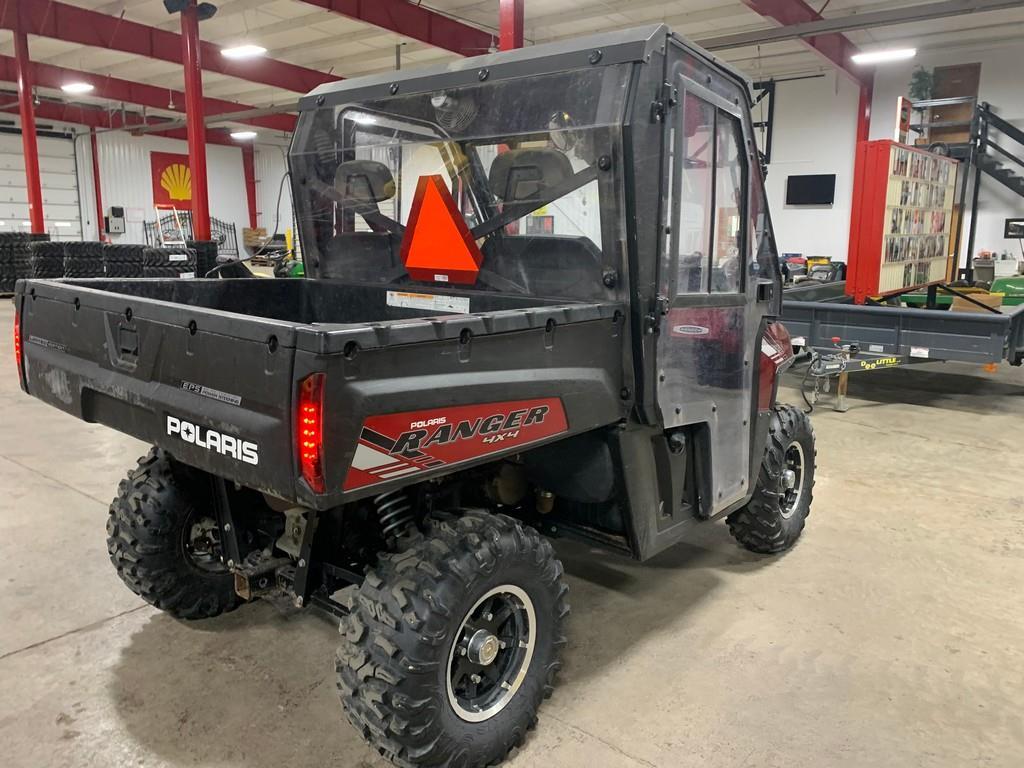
606	48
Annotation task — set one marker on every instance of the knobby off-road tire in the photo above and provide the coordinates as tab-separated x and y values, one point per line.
773	519
151	539
408	620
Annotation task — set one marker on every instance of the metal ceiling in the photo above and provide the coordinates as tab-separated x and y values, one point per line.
129	50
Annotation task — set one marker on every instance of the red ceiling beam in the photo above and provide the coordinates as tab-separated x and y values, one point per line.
72	24
834	47
115	89
96	117
414	21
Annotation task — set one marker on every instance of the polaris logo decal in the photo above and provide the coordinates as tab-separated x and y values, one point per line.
402	444
212	440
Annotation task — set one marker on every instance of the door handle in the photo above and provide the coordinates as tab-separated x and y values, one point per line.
765	291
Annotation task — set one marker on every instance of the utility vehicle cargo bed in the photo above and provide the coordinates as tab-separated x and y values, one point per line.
210	369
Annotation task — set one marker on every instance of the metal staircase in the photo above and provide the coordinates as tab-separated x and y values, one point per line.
996	150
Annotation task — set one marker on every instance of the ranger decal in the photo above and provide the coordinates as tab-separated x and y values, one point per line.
401	444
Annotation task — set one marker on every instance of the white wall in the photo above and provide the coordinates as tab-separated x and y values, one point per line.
126	179
270	169
1002	87
814	132
815	124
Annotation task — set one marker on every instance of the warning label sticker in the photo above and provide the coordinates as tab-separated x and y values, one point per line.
429	301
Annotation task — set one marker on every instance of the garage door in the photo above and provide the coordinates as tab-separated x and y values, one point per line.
59	177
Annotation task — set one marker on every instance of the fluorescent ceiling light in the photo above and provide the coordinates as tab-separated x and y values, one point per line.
62	223
878	57
76	87
246	51
243	135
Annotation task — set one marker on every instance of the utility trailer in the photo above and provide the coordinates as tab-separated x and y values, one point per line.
540	298
847	338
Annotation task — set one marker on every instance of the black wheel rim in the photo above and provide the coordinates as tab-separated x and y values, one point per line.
201	543
792	479
491	653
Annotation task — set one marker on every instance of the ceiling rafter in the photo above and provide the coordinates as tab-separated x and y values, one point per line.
414	21
834	47
141	94
78	25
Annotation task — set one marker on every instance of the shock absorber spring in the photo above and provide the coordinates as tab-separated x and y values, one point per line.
394	512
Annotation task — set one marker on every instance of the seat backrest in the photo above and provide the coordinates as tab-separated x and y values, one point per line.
520	175
362	182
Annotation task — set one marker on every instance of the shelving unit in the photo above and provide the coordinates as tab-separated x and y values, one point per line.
902	225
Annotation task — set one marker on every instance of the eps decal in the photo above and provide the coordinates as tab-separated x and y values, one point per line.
212	440
401	444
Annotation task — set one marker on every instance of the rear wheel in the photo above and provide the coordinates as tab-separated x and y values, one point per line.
164	540
774	517
452	643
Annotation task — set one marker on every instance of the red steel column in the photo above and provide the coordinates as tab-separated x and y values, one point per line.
96	185
863	126
28	133
249	171
194	121
510	22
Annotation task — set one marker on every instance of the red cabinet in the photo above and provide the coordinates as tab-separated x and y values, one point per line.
902	220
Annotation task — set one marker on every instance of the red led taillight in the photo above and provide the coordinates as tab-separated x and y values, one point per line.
310	430
17	348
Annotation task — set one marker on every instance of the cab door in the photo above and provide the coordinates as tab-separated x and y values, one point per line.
713	299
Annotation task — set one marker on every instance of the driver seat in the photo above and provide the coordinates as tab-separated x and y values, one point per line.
547	265
361	256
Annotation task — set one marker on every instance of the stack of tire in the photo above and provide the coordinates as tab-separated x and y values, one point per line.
206	255
47	260
83	259
14	259
168	262
122	260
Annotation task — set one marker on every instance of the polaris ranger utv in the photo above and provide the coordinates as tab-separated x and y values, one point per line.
539	299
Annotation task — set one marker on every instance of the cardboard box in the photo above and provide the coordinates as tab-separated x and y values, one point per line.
993	300
254	237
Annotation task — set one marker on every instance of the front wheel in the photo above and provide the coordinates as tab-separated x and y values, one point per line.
774	517
452	643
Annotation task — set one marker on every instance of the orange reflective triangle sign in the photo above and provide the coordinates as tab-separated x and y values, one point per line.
438	246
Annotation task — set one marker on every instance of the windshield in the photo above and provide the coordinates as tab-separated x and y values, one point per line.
508	187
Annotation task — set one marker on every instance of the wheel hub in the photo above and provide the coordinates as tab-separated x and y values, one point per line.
483	648
491	653
792	479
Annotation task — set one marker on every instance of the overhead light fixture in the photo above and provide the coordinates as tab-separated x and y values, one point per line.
62	223
880	57
243	135
247	51
77	87
364	119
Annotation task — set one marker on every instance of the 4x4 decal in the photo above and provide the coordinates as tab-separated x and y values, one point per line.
401	444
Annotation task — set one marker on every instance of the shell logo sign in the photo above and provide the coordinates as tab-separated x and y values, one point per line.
172	179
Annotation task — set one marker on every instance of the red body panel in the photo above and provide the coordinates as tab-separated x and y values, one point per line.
776	356
404	444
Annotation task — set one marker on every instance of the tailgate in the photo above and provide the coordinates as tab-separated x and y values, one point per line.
213	388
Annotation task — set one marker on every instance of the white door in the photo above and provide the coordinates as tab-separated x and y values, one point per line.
59	177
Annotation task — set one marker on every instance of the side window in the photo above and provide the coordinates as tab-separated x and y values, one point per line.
728	260
710	226
696	152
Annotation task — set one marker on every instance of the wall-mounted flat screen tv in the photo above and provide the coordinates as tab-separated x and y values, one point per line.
812	189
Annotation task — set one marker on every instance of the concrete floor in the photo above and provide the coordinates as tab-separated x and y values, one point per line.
892	635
